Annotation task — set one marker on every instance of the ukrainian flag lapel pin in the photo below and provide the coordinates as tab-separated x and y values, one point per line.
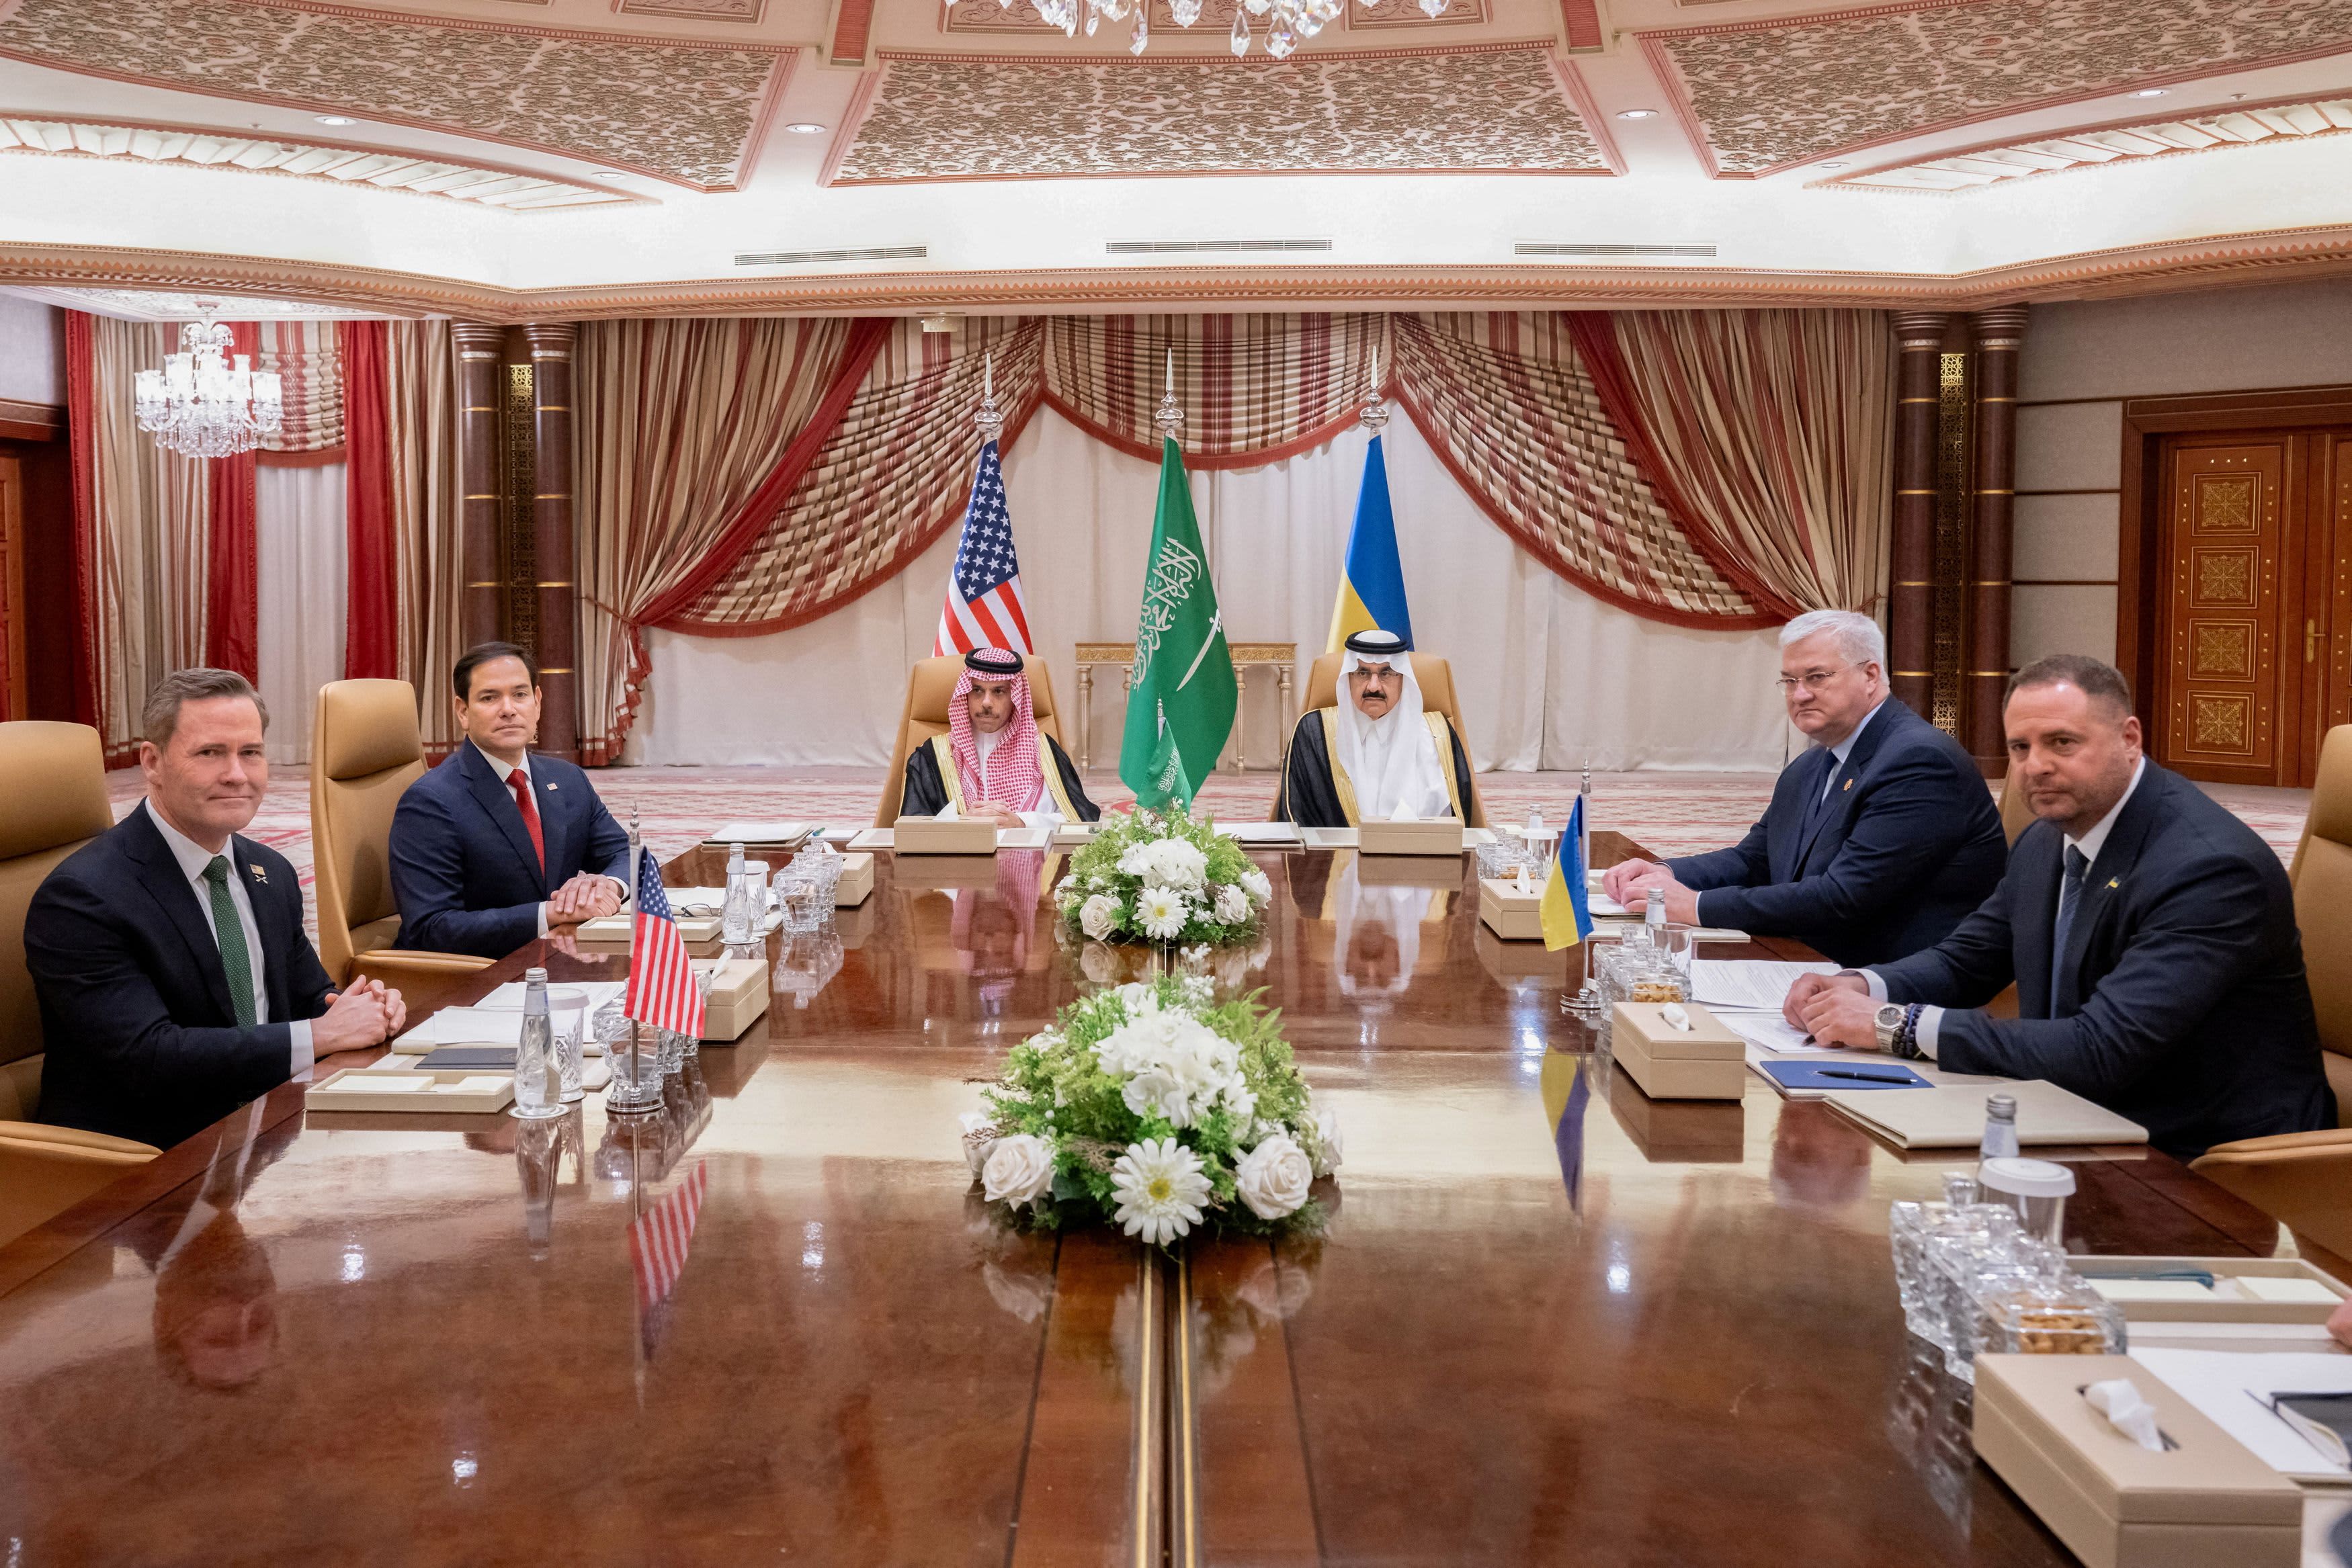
2115	881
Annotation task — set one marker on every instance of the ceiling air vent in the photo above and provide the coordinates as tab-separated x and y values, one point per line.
1206	247
847	253
1546	247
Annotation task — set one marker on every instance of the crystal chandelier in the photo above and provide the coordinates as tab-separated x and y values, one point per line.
198	404
1288	20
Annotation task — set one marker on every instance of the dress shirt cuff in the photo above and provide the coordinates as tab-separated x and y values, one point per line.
298	1069
622	887
1699	907
542	920
1871	978
1925	1037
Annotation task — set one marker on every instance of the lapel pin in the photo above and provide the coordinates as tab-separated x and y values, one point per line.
2115	881
259	874
550	788
1849	783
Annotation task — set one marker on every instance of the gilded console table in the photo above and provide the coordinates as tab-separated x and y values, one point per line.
1281	657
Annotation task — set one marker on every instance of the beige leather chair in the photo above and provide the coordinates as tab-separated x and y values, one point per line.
365	751
2016	814
57	803
1435	676
2304	1180
928	687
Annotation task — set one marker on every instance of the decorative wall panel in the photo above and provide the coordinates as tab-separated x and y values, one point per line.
1452	111
685	112
693	10
1770	94
2096	147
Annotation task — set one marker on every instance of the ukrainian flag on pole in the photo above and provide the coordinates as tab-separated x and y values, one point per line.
1372	582
1566	920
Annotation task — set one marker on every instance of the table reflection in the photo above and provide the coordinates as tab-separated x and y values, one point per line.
215	1295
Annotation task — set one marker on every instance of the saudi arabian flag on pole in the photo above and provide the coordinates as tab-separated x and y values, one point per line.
1180	706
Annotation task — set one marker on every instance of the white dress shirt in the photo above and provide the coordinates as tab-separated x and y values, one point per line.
194	858
2093	839
1841	750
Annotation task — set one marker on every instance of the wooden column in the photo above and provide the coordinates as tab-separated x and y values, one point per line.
551	532
1910	602
1997	334
481	615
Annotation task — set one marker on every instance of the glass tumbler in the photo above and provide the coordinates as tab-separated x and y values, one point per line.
800	893
636	1076
567	1014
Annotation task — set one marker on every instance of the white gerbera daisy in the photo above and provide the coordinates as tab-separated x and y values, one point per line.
1160	1190
1161	912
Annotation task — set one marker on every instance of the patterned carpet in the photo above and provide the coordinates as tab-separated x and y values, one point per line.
1673	813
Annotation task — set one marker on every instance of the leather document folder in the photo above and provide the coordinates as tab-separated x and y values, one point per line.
1952	1116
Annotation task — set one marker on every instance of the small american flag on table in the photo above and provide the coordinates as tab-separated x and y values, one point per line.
984	607
661	990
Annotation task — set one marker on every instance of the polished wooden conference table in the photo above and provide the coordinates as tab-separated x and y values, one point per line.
1550	1321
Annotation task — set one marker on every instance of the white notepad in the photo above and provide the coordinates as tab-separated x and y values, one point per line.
1260	832
1755	985
756	833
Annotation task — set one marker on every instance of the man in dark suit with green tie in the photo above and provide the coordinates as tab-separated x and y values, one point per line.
174	980
2151	933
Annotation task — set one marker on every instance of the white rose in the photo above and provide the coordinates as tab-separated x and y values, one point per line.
1177	862
979	1138
1327	1141
1157	1092
1273	1178
1255	882
1097	916
1232	905
1019	1170
1136	861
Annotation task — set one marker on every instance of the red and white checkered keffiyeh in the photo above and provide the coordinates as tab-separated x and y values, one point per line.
1012	777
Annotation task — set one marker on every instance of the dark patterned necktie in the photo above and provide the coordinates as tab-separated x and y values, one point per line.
2070	894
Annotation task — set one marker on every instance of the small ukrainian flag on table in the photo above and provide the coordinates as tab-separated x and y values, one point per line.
1566	919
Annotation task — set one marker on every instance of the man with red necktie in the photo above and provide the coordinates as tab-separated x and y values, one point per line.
501	844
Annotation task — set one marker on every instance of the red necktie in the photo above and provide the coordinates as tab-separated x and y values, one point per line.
521	783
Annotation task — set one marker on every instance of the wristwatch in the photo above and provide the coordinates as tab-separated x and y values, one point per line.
1898	1028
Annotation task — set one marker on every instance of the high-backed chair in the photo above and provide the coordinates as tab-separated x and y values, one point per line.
930	684
2304	1180
57	803
1435	676
2016	812
365	751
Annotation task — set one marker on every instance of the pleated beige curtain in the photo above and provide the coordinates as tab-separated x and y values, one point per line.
149	522
681	422
1774	431
421	424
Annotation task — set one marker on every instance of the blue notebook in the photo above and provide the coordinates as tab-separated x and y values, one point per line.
1819	1077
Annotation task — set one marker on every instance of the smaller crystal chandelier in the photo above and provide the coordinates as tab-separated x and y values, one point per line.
1291	20
198	404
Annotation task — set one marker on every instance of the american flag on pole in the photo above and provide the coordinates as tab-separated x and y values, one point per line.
661	991
658	1239
984	607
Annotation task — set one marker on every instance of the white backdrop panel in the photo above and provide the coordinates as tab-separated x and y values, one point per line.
302	561
1550	677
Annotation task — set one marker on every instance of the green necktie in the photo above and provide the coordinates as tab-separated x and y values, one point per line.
235	962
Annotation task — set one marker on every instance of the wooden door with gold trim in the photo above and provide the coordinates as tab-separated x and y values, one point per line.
2230	529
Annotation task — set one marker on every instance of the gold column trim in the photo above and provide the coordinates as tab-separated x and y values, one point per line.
1995	400
491	497
556	669
543	495
551	585
1910	582
486	585
1989	675
479	408
1996	492
555	408
1918	399
1915	492
1914	674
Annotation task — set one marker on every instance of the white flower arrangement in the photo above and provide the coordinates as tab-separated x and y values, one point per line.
1163	877
1146	1107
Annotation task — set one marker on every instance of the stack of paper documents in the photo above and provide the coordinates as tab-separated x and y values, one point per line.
756	833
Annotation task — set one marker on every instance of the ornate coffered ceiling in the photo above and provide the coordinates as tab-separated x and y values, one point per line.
679	110
1501	110
1775	94
358	166
2099	146
1216	18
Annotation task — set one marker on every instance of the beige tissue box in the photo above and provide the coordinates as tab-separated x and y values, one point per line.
1705	1062
2206	1500
931	836
1438	837
1509	914
856	883
739	996
613	930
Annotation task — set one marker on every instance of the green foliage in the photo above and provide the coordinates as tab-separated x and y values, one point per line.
1113	867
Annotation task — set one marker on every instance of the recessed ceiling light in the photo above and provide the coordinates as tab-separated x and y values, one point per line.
610	175
1829	165
2149	92
1637	114
336	120
806	127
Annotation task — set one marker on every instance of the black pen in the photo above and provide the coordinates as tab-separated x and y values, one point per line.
1864	1077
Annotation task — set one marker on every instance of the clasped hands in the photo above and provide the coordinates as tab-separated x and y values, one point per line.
585	897
995	812
1836	1010
366	1012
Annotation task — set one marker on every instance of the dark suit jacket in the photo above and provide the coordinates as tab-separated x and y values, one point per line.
1907	845
142	1040
2181	999
463	872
